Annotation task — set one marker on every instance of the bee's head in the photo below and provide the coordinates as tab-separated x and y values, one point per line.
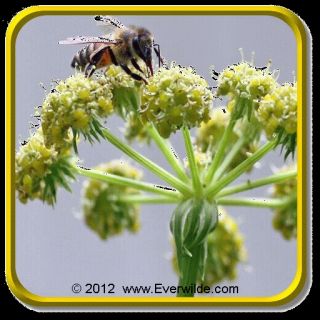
143	44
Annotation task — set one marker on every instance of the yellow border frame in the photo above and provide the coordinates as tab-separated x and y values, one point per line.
301	37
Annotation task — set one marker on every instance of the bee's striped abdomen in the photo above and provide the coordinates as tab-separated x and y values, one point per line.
82	57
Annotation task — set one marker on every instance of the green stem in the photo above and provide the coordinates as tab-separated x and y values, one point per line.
189	272
254	202
169	153
215	187
220	151
127	182
144	198
276	178
192	162
230	156
147	163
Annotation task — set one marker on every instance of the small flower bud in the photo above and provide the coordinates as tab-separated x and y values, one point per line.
285	217
104	211
41	170
175	97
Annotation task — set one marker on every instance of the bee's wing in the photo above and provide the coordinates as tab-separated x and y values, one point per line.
108	25
109	22
85	39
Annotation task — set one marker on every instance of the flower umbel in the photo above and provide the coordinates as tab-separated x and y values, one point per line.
278	114
104	211
285	217
41	170
245	85
78	103
175	97
245	81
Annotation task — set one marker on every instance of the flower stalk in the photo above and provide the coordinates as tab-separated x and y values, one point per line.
254	202
214	188
197	187
122	181
189	271
220	152
169	153
278	177
229	157
147	163
147	199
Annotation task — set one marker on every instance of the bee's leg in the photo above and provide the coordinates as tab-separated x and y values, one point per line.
135	64
156	48
132	74
89	70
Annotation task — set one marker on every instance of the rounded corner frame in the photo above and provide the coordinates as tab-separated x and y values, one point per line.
281	299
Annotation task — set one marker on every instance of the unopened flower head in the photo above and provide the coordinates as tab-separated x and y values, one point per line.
245	81
77	103
40	170
285	217
104	211
175	97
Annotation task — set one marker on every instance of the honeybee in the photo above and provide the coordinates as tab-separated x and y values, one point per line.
121	46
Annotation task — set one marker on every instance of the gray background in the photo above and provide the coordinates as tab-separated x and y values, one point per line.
54	248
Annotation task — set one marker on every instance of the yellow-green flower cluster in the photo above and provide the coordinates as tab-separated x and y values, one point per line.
76	103
285	217
278	109
175	97
245	81
104	212
210	134
225	250
40	170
